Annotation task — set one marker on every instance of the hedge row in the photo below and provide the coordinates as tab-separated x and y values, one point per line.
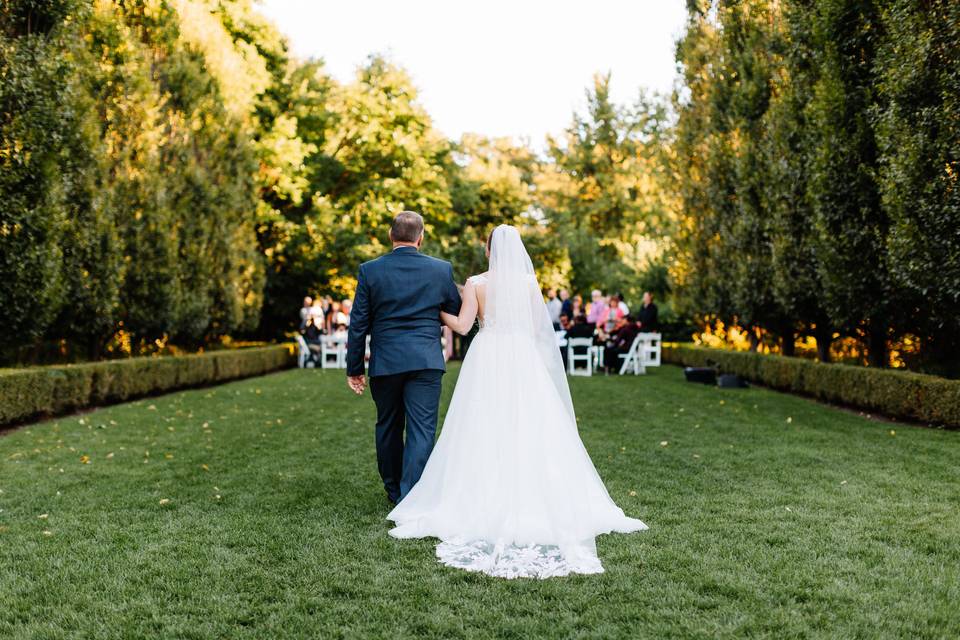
39	391
899	394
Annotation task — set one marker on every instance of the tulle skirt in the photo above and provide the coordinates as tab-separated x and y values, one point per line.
510	489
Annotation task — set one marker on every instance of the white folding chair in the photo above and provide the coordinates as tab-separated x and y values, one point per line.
330	352
597	352
631	359
650	349
586	357
303	352
342	352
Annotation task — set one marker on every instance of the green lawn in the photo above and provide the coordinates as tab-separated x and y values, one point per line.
254	510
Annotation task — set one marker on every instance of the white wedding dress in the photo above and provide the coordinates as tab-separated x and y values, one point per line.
510	489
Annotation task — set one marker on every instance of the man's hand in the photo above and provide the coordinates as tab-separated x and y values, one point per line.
357	384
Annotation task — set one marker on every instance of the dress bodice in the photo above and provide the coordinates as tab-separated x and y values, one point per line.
477	281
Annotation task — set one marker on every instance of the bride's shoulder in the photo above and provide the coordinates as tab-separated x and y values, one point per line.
480	278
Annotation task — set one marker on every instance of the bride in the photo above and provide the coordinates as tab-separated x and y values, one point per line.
509	489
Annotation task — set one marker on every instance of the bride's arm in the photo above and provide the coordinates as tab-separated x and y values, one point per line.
468	311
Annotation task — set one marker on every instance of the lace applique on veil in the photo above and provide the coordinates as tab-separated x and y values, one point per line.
516	561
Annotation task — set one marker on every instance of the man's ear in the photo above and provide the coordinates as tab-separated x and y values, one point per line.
390	235
420	240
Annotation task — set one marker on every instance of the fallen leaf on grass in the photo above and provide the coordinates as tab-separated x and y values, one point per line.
892	432
633	493
110	455
43	516
164	501
664	443
84	459
789	419
205	467
48	533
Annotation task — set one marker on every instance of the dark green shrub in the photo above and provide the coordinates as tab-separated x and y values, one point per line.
899	394
39	391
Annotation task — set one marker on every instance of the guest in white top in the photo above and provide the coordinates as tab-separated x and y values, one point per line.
343	316
316	312
305	311
554	307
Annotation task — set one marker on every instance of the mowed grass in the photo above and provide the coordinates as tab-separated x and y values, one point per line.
254	510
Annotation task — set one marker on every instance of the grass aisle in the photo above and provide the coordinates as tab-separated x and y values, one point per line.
254	510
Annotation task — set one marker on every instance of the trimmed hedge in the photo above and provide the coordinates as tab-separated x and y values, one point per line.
899	394
39	391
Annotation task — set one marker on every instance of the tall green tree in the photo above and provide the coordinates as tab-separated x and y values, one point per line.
35	74
602	191
851	222
368	150
796	271
705	172
919	137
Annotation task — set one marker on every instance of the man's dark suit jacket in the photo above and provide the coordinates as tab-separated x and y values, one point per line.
398	303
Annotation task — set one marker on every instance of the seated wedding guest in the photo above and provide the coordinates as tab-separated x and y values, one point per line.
613	314
343	316
553	308
566	304
333	308
564	322
579	329
623	305
340	333
317	313
647	317
619	342
313	333
576	306
305	311
598	307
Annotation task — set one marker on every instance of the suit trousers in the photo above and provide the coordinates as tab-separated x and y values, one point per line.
405	401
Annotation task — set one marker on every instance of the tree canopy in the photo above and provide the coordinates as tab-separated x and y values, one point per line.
169	173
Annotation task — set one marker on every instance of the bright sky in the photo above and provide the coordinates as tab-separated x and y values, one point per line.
499	67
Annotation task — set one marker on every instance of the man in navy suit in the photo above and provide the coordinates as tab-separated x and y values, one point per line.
398	303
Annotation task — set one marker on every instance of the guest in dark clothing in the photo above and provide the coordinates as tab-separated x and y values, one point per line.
313	333
567	306
579	329
621	339
647	317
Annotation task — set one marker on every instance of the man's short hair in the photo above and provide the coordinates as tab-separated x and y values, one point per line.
407	227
